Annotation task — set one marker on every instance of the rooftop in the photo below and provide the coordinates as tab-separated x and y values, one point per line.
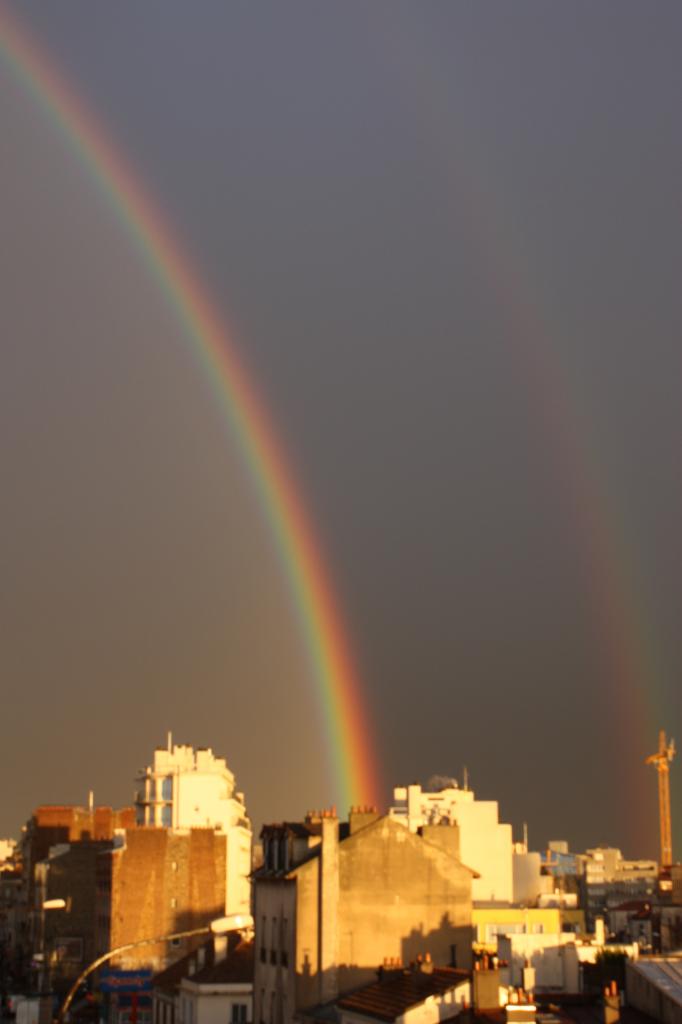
663	972
235	968
397	991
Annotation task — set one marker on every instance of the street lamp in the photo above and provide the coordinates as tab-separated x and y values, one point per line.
220	926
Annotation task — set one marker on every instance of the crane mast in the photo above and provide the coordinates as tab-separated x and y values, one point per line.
661	760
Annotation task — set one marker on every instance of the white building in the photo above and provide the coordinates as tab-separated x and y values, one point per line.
222	992
484	843
211	985
531	887
553	960
186	788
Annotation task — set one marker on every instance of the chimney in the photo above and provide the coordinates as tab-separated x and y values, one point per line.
426	965
599	931
219	948
328	906
520	1013
611	1004
485	986
361	817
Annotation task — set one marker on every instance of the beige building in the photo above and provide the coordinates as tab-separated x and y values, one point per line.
333	902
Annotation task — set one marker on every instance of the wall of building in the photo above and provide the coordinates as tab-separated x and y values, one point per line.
432	911
275	915
51	825
489	922
68	936
397	895
485	843
554	958
529	884
212	1004
162	882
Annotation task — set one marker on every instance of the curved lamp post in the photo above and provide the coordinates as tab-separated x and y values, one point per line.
231	923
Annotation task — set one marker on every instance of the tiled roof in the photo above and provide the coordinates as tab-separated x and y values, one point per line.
397	991
299	829
235	968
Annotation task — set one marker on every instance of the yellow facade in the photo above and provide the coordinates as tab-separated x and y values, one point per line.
489	922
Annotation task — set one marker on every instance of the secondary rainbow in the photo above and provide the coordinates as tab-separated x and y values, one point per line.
633	659
352	760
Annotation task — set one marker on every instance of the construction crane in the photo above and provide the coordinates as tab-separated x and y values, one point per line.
662	759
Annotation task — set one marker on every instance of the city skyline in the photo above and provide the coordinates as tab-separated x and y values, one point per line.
453	291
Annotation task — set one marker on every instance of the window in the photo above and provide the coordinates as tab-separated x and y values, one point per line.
239	1011
275	942
263	941
166	817
284	955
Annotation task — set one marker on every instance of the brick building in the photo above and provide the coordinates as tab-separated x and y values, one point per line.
155	883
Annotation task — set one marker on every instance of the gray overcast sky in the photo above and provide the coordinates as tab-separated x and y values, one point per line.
447	239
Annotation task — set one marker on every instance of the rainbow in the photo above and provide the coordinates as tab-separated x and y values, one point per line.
351	748
631	649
